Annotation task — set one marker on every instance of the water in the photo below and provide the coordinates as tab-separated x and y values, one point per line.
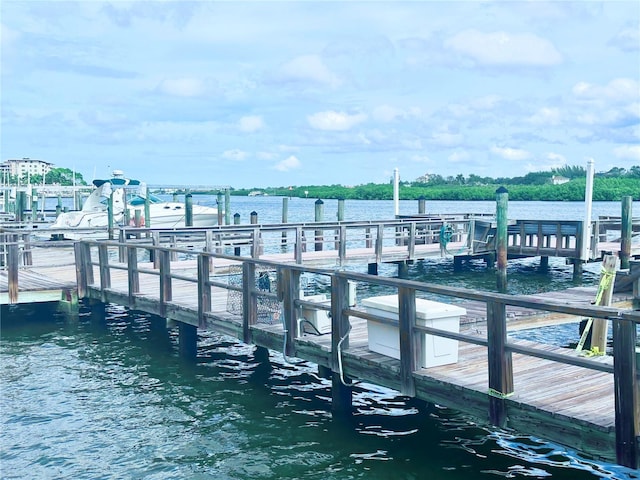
86	400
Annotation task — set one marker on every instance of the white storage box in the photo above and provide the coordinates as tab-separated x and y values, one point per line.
434	350
315	321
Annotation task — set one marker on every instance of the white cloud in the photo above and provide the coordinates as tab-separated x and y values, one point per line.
459	156
445	138
182	87
265	155
631	152
421	159
627	39
251	123
287	164
502	48
546	116
335	121
558	158
7	36
550	161
387	113
617	90
308	68
510	153
235	154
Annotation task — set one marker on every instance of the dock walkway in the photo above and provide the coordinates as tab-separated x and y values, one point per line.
588	403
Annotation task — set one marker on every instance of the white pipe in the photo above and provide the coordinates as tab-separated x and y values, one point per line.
396	192
588	200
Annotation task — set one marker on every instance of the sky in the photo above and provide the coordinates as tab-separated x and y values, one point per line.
259	94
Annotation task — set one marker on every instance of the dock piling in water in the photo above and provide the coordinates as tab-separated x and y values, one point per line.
502	202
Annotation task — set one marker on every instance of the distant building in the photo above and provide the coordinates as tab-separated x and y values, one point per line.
559	180
25	166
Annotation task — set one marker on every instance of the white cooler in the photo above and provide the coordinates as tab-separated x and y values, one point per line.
434	351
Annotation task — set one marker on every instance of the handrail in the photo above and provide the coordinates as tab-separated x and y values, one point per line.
500	348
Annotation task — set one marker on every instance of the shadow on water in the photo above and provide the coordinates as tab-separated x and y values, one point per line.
112	399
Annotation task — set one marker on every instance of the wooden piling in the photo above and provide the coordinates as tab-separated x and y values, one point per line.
285	215
342	401
421	206
188	205
319	215
500	363
227	206
249	300
187	341
34	206
502	200
603	298
147	211
627	390
236	221
221	210
204	289
409	345
109	215
290	287
626	231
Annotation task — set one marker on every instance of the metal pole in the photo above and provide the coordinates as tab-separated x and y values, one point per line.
396	192
588	199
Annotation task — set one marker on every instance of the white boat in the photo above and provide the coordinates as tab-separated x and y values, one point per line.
163	214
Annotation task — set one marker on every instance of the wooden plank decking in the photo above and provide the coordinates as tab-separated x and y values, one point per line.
567	403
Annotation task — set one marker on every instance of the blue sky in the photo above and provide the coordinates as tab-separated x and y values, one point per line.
298	93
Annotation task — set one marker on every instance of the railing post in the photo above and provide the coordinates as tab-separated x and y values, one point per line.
627	398
122	250
132	273
105	272
12	274
342	244
88	265
249	301
299	245
204	289
155	241
290	289
27	254
379	241
499	362
412	240
256	243
342	401
409	348
81	275
165	280
626	229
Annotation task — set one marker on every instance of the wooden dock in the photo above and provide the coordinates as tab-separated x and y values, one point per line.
588	403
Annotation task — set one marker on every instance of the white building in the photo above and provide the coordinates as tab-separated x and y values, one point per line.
25	166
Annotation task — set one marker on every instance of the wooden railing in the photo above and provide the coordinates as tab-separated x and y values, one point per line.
561	238
296	238
499	347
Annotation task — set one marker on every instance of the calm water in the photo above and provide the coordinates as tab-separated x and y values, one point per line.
86	400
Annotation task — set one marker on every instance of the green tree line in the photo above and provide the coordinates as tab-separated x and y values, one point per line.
535	186
55	176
